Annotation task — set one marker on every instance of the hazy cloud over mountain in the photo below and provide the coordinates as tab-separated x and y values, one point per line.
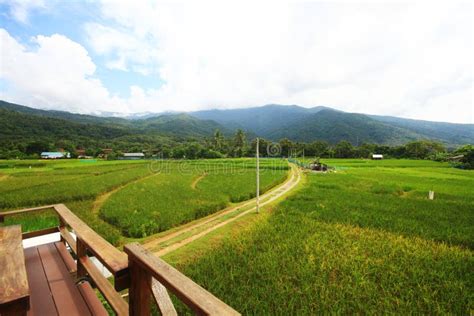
404	59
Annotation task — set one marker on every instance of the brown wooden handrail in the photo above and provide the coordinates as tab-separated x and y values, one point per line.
144	266
87	241
145	274
115	260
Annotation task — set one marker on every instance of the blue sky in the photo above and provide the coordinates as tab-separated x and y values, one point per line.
408	59
69	20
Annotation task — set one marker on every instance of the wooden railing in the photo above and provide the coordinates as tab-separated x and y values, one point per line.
87	242
145	275
144	266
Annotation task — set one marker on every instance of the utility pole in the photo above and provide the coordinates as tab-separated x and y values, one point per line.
258	178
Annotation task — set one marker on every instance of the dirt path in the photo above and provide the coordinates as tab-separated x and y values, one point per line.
195	182
266	198
101	199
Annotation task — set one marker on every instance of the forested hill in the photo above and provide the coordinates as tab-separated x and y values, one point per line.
79	118
333	126
322	123
29	131
21	121
274	122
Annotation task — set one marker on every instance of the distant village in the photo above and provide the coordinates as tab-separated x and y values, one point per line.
81	154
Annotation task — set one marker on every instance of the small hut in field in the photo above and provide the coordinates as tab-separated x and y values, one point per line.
377	157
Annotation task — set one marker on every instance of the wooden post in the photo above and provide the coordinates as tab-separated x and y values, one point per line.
431	195
62	224
258	177
81	252
140	290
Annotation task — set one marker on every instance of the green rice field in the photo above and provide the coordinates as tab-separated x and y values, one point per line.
364	239
131	198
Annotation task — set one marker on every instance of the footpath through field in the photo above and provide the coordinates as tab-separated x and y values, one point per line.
101	199
193	231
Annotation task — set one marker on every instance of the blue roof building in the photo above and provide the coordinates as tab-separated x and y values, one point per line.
54	155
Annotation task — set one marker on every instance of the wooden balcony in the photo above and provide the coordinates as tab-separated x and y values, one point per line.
59	278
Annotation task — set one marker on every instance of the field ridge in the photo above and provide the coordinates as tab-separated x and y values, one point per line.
270	196
196	181
102	198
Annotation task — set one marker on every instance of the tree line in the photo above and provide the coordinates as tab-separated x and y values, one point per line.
237	145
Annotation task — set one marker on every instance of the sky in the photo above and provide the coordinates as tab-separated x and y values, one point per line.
408	58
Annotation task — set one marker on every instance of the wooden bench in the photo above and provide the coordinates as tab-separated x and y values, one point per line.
14	290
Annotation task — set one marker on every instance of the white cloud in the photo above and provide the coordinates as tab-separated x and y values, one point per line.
405	59
402	59
20	9
125	51
54	73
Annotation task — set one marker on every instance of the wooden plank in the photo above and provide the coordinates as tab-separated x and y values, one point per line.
14	294
111	257
66	235
66	256
68	301
162	299
40	232
25	210
41	299
61	225
139	294
88	294
117	303
193	295
81	253
66	295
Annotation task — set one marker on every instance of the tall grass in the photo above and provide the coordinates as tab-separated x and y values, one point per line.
164	196
62	186
360	241
169	199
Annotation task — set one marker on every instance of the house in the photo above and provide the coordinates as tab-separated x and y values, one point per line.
133	156
81	153
377	157
105	153
55	155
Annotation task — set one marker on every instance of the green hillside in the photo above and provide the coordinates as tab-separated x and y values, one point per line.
451	133
181	124
334	126
260	120
323	123
79	118
30	131
273	122
19	126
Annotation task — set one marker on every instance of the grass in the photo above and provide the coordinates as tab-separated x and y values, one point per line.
160	192
173	197
23	189
364	240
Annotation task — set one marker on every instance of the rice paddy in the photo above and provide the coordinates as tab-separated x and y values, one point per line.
362	240
365	239
142	197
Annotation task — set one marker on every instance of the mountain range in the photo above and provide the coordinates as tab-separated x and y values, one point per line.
272	122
